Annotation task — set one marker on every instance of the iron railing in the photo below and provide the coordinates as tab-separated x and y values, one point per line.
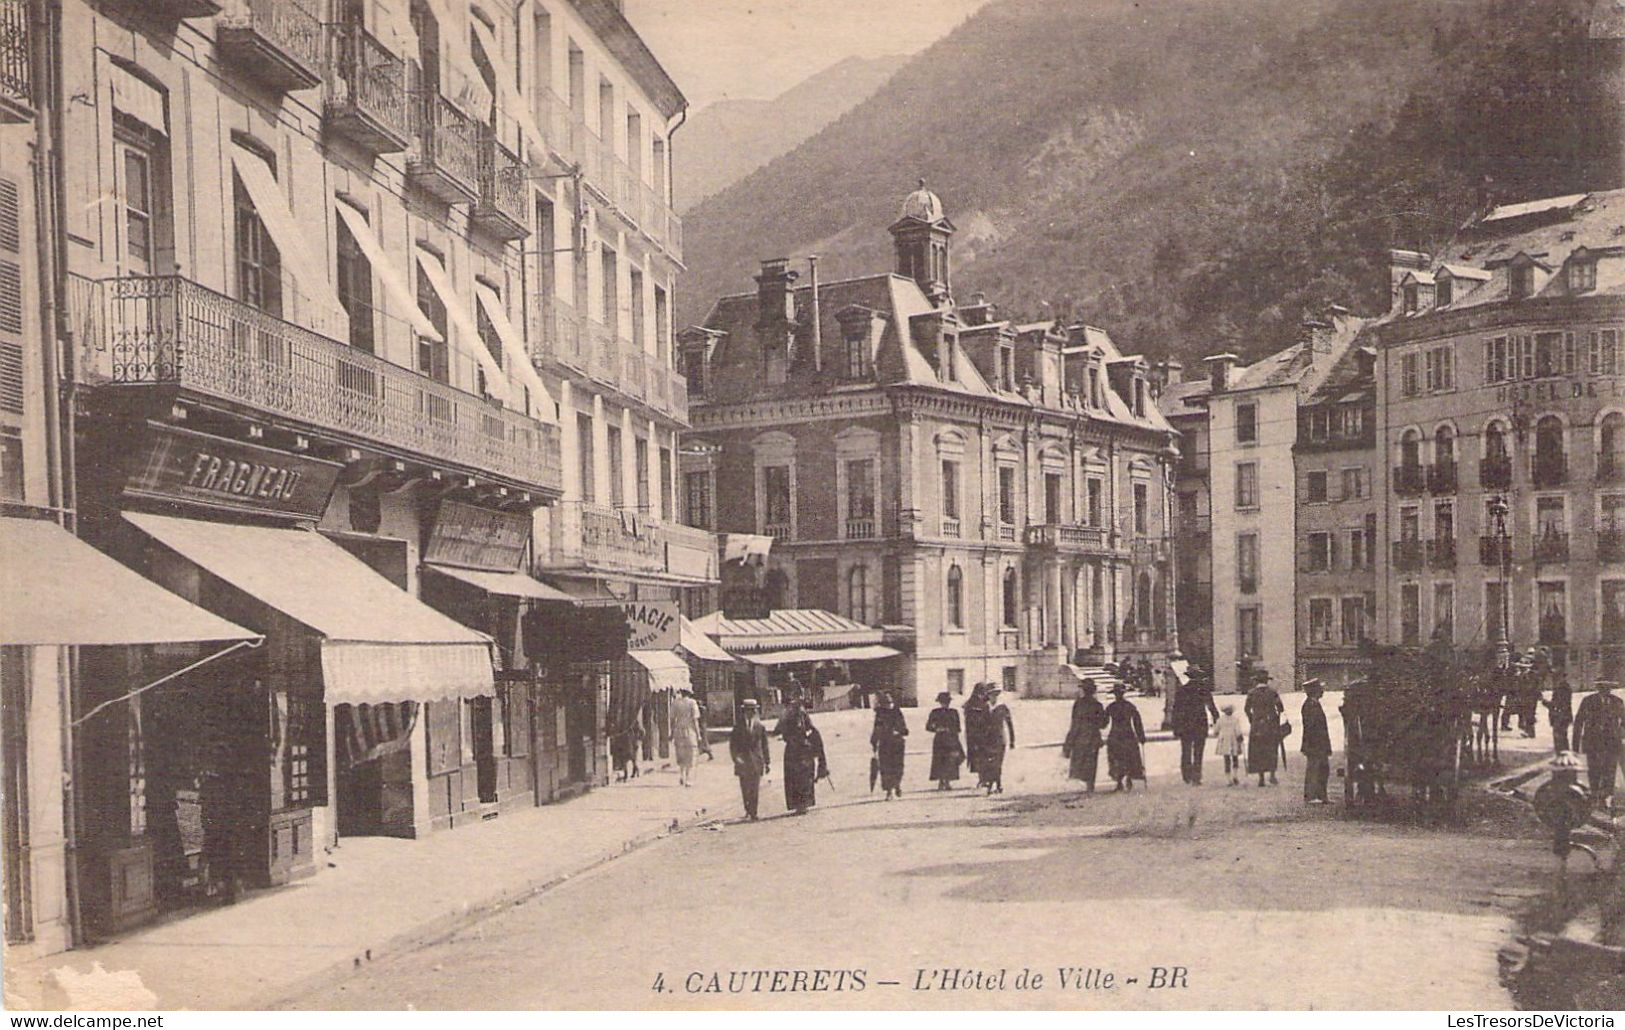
279	41
500	207
1494	551
1495	473
1442	553
1549	470
16	71
169	331
1611	545
1408	555
448	148
1552	547
368	90
1610	467
1409	480
1442	477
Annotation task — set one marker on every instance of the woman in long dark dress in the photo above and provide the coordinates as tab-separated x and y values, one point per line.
804	761
1083	738
990	766
887	740
978	722
1264	710
946	751
1124	763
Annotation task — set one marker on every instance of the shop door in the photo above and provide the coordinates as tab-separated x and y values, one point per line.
581	714
485	759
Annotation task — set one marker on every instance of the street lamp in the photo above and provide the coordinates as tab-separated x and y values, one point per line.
1498	516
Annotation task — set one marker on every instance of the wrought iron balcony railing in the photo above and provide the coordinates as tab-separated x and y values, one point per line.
500	207
1610	467
1409	480
1442	477
367	99
1549	470
277	42
165	331
1494	550
1611	545
446	161
1552	547
609	539
1408	555
1442	554
1495	473
16	70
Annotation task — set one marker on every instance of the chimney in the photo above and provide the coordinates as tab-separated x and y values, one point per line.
774	303
1318	332
1219	367
1400	264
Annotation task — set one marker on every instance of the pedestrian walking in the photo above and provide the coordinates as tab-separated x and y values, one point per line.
747	745
978	723
999	724
1232	739
886	739
624	741
1599	726
687	734
1193	706
804	760
1533	685
1560	711
1124	738
1316	746
1264	711
1084	736
946	750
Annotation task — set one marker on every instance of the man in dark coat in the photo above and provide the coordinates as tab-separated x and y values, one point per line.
1560	710
804	761
1193	705
1264	710
1598	728
1317	745
747	745
1083	738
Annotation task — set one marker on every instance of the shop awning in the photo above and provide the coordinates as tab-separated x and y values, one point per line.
379	642
589	592
394	279
57	589
505	584
798	655
698	644
667	670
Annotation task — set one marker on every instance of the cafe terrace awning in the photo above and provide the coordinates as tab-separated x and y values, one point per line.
796	656
667	670
787	628
379	642
690	639
504	584
55	589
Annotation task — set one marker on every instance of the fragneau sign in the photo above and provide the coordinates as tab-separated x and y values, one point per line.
196	468
478	538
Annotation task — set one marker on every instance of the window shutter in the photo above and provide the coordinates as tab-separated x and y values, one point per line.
11	299
11	377
10	217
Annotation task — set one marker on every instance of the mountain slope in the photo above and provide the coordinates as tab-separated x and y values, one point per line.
725	141
1192	173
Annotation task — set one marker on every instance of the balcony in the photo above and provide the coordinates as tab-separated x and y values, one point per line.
446	165
1408	555
1442	477
1611	545
1442	554
186	8
631	370
1409	480
1068	538
950	526
860	529
1495	473
1007	531
603	539
1549	471
777	530
1610	468
499	209
367	100
16	71
276	42
1552	547
1494	551
169	332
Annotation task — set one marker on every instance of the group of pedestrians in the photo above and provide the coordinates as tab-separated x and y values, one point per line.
989	732
1117	726
804	760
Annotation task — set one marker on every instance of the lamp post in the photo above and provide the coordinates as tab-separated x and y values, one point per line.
1498	514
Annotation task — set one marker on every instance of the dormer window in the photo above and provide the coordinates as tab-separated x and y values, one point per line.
949	370
694	371
857	352
1521	281
1007	369
1444	292
1418	297
1582	275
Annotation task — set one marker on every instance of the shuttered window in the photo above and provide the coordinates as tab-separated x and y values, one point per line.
11	299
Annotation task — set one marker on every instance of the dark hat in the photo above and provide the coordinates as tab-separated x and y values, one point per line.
1313	683
1261	675
1119	689
945	697
1087	684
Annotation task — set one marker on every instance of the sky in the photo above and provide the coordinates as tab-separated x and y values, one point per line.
757	49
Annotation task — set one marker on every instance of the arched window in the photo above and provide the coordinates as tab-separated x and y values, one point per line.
1012	597
1611	448
1495	442
1410	448
857	593
1444	445
1549	466
955	600
776	585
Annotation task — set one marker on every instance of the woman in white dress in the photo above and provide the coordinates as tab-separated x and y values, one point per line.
685	733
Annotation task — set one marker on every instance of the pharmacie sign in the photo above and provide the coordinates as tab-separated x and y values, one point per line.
652	625
184	465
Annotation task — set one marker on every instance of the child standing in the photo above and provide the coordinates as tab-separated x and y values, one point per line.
1232	739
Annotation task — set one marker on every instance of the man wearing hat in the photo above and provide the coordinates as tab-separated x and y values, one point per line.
748	747
1193	705
1317	745
1599	726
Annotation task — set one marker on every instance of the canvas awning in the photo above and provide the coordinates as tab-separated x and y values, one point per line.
55	589
461	316
379	643
306	261
505	584
667	670
513	104
383	267
133	97
698	644
806	654
582	591
513	348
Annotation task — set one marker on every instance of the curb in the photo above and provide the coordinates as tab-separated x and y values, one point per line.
442	926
